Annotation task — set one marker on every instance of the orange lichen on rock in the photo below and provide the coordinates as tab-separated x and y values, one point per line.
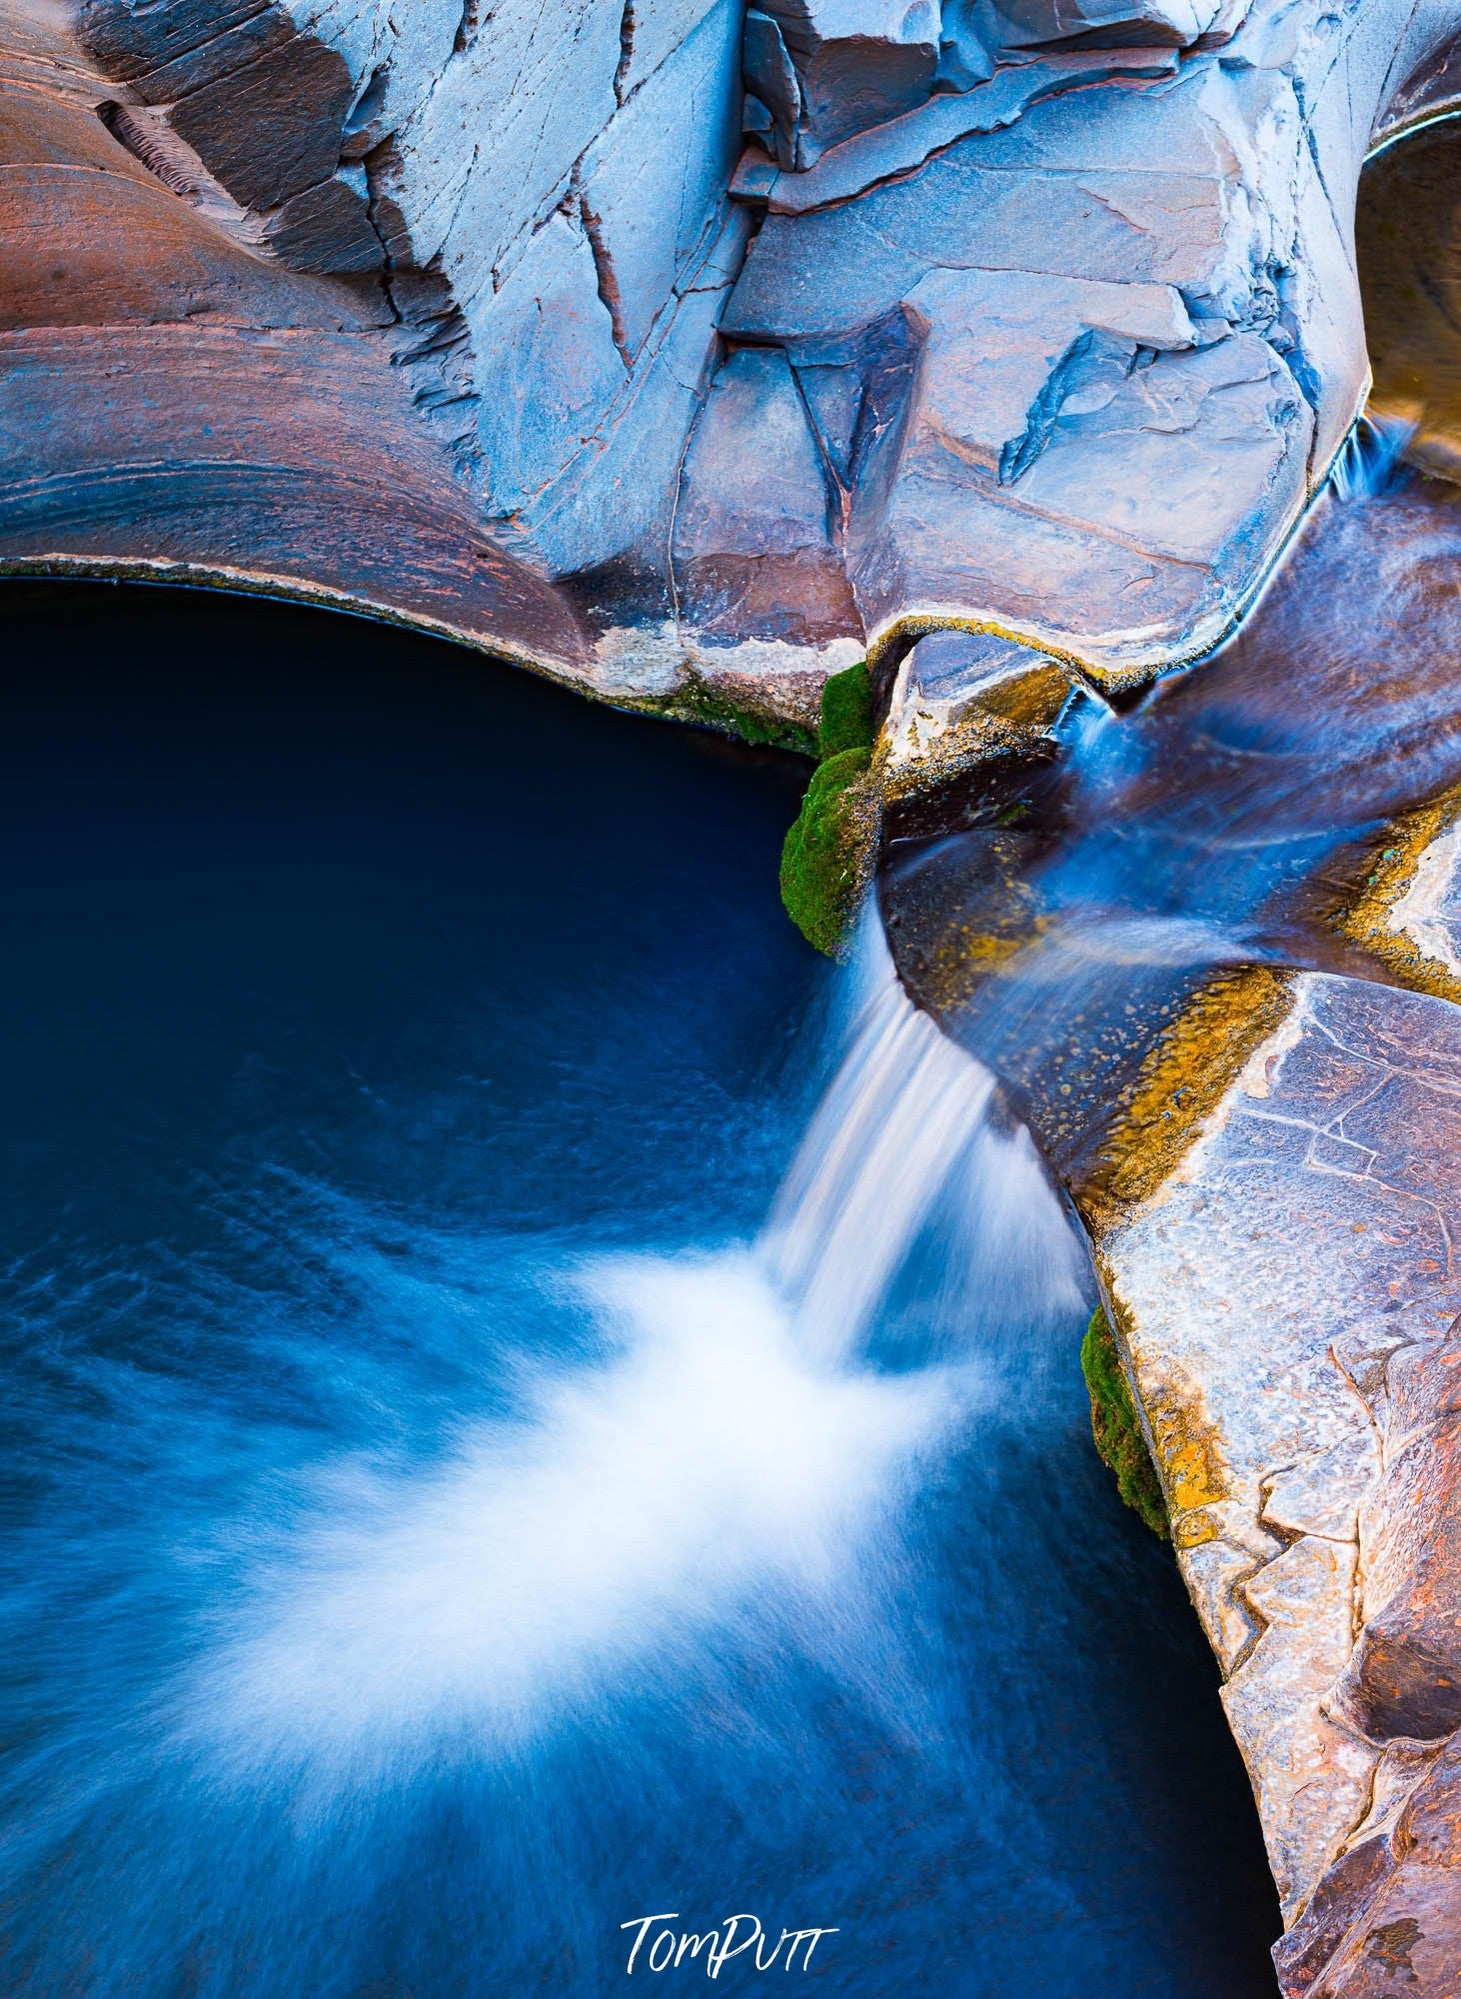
1181	1083
1373	918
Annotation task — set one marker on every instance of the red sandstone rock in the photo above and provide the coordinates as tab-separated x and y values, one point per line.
1387	1918
172	400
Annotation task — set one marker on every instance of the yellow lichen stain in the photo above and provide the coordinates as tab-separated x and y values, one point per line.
1185	1443
1103	676
1010	716
911	625
966	957
1031	700
1180	1084
1188	1449
1392	862
1001	924
1192	1530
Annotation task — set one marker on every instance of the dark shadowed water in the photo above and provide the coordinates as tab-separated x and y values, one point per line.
432	1539
1408	242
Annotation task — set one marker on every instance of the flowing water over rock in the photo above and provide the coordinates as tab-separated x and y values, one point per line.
1210	943
723	1441
1225	821
446	1520
1231	811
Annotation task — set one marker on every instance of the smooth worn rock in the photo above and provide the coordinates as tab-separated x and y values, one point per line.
755	539
1300	1246
189	409
1404	1680
1128	549
1287	1292
1276	1257
1388	1916
260	103
1065	287
962	697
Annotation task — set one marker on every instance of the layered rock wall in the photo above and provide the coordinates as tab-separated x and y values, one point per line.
767	334
1114	293
176	401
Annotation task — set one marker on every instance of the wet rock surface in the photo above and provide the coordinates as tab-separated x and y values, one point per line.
1230	819
1292	1266
1212	947
1267	1159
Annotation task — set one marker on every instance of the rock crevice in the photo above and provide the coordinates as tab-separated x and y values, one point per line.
1067	292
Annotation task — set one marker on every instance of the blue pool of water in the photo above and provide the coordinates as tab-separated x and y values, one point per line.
428	1542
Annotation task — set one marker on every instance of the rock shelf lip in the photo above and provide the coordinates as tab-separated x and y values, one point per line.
1136	659
901	146
1399	913
1410	127
719	702
175	573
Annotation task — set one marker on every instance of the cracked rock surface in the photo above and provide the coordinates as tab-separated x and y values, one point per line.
1312	1470
1221	979
738	341
1309	1470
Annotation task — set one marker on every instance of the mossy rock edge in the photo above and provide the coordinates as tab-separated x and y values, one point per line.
1116	1427
706	707
827	859
847	721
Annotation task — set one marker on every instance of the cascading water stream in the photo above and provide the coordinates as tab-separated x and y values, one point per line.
1371	455
728	1436
453	1504
905	1107
1226	819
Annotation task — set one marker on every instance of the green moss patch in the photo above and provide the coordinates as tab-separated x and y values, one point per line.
1116	1428
828	852
696	702
826	863
847	713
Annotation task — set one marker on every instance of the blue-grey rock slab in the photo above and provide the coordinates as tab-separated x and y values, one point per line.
1066	287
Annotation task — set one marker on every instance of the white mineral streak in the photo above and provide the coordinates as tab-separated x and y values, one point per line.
1423	913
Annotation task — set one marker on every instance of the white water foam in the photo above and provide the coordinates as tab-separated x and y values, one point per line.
903	1110
734	1443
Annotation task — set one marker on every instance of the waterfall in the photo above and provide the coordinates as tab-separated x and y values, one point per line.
901	1115
721	1439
